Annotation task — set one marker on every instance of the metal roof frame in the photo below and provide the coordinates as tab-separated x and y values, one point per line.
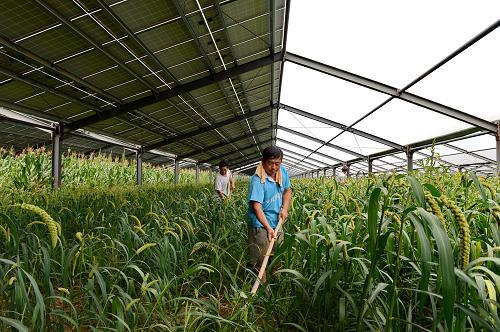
138	121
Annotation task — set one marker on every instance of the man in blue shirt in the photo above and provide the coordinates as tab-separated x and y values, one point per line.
269	197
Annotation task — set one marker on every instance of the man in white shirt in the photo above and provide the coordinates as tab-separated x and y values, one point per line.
224	181
342	178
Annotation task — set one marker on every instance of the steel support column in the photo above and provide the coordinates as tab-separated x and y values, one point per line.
370	165
138	157
56	157
324	172
197	174
176	171
409	160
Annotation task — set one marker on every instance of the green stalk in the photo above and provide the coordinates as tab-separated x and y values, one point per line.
372	218
393	293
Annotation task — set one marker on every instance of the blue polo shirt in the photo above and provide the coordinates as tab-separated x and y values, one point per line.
270	195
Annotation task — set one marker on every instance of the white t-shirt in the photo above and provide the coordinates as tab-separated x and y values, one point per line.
223	184
341	178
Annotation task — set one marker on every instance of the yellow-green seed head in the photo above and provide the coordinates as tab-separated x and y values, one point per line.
434	208
464	232
52	226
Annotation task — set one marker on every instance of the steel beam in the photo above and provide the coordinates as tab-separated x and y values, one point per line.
25	122
342	126
231	152
245	167
221	144
462	134
209	128
391	91
246	162
56	157
29	111
175	91
291	131
475	155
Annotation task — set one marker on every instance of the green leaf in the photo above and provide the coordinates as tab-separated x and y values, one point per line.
446	264
40	304
479	187
14	323
373	207
425	253
417	190
433	190
380	287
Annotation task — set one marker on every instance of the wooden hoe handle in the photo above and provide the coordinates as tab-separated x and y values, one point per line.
266	259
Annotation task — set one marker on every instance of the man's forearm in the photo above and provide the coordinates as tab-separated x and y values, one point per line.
257	209
287	197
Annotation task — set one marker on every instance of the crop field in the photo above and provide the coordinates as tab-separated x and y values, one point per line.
391	252
31	170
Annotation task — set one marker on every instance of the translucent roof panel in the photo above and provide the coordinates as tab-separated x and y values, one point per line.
462	158
393	160
306	126
381	40
301	160
439	149
359	144
293	151
469	81
336	153
324	160
297	139
405	123
382	165
326	96
491	153
476	143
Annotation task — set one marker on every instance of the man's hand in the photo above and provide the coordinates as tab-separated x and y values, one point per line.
271	234
284	214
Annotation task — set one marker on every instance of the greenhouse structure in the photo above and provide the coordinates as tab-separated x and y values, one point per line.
397	91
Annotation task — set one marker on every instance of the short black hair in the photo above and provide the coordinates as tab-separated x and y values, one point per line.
272	152
223	163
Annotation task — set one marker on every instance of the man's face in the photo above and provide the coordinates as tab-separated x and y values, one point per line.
223	170
271	166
